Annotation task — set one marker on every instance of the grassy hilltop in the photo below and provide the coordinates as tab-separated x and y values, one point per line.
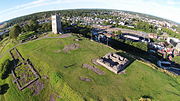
60	71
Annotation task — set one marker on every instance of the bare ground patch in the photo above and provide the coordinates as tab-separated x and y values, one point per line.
85	79
70	47
94	69
54	96
94	61
36	87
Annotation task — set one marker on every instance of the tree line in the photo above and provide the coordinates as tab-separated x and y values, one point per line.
30	26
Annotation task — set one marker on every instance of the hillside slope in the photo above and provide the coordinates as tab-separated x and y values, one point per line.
60	72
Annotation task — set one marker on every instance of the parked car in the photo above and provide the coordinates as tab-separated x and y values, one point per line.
151	51
164	64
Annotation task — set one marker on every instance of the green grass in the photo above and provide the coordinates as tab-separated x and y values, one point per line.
52	35
138	81
177	59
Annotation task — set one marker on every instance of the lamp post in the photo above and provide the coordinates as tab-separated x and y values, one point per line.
107	41
91	35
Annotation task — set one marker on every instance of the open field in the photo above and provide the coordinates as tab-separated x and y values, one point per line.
61	70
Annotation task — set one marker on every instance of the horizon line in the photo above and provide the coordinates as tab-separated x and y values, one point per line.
91	9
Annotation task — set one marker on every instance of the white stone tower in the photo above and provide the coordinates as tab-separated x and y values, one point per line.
56	24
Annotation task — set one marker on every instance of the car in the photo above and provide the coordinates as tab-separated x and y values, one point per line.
164	64
152	51
146	40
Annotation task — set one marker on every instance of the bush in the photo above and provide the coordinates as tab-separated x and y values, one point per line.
26	35
127	99
56	77
6	68
3	88
140	45
145	98
15	31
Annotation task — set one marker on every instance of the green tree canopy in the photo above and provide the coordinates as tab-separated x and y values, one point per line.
26	28
15	31
118	32
6	68
33	25
46	27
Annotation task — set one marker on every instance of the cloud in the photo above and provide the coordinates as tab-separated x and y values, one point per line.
37	3
150	7
173	2
24	6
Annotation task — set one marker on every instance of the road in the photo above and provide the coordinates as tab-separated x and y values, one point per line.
174	70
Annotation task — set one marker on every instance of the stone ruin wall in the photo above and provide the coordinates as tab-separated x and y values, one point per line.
122	62
20	87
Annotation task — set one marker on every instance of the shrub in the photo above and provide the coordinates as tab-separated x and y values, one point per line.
6	68
15	31
57	76
145	98
26	35
140	45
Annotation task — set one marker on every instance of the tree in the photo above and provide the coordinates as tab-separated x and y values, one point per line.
33	25
145	26
46	27
1	37
15	31
26	28
119	32
26	35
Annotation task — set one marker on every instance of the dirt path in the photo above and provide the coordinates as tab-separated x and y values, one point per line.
45	37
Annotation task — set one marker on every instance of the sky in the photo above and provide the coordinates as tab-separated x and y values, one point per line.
169	9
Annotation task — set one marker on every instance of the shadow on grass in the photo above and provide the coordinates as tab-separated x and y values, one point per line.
128	48
4	88
126	55
70	66
7	67
121	45
146	98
